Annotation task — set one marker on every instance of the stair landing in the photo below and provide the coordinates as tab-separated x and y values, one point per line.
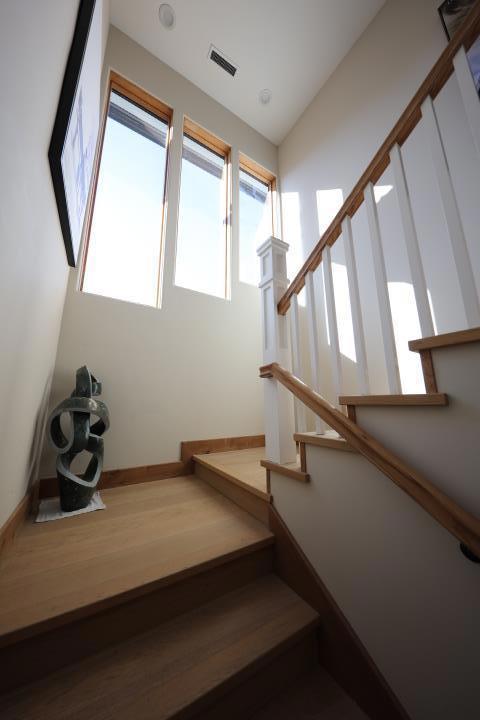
150	535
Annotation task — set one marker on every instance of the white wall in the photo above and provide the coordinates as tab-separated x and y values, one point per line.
190	369
34	43
331	145
398	576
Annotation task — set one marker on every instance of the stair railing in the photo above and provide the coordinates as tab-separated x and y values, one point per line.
464	526
280	300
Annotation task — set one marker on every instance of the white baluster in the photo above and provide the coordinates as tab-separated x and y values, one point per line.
279	426
332	322
452	216
388	336
297	361
354	293
314	343
469	94
411	242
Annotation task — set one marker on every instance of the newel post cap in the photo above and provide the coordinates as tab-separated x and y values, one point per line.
272	242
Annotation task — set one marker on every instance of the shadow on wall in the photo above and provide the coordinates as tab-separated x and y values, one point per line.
38	439
402	300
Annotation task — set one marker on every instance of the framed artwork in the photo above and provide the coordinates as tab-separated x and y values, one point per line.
452	13
75	131
473	56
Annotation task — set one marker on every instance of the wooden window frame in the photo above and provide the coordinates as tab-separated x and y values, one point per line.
204	137
156	107
265	176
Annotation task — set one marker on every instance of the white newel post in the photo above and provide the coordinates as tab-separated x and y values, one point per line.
279	417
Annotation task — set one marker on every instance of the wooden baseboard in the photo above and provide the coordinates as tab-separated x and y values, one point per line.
48	487
18	516
340	650
124	476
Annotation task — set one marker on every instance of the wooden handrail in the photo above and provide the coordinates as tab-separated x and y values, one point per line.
464	526
434	82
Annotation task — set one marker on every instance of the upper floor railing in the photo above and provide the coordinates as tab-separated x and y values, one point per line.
453	59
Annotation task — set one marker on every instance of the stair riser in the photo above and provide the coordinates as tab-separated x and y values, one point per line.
35	657
249	502
258	684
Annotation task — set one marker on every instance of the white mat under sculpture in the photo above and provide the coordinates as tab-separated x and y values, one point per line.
49	509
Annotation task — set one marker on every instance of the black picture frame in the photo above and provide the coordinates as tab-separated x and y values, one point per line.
452	13
62	122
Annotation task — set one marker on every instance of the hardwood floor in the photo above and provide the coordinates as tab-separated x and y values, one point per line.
242	467
149	536
179	668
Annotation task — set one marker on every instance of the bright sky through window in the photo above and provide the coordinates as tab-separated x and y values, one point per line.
201	261
255	224
124	250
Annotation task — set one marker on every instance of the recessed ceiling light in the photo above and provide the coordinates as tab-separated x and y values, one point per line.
265	96
167	16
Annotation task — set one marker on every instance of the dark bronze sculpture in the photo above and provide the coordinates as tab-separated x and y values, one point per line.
75	491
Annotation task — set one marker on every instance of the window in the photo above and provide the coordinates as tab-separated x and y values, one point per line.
256	217
124	253
202	260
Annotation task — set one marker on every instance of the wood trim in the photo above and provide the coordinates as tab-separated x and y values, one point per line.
303	457
14	521
124	476
463	525
323	441
189	448
258	171
352	413
397	400
291	472
139	96
269	485
340	650
446	340
205	137
428	371
435	80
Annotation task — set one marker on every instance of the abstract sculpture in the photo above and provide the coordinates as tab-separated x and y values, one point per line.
76	492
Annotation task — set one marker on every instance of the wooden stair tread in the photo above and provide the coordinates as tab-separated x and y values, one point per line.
192	659
150	535
460	337
329	440
292	470
315	696
399	400
242	467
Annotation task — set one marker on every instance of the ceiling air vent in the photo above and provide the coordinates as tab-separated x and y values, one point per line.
219	58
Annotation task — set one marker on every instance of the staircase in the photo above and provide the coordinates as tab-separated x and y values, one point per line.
164	605
208	595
